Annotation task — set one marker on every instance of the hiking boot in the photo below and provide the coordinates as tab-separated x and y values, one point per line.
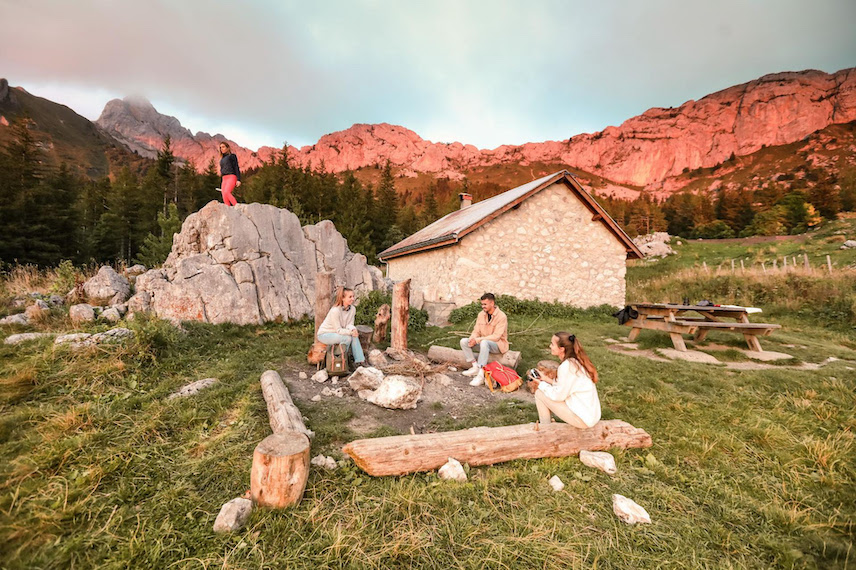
472	371
479	379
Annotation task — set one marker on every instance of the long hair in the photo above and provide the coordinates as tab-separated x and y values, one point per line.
574	349
228	148
340	295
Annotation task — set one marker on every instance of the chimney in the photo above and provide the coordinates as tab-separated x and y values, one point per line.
466	199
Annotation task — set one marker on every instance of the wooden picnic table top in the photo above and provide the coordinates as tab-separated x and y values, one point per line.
677	307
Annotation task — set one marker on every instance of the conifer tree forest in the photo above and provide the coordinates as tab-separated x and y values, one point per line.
53	214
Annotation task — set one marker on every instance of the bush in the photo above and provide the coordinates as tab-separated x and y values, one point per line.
713	230
371	302
524	307
66	276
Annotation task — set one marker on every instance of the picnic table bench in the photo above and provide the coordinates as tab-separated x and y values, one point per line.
671	318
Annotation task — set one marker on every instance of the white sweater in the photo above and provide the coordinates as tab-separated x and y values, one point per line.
575	388
338	321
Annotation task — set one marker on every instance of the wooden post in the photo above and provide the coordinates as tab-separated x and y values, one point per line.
806	264
704	265
775	264
732	266
323	296
829	264
785	263
381	323
742	267
794	260
764	267
401	454
400	314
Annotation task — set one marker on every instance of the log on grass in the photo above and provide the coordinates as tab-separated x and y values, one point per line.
283	414
381	323
401	454
280	469
454	356
400	314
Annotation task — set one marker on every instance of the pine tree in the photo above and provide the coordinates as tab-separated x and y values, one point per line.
430	212
387	207
165	161
156	247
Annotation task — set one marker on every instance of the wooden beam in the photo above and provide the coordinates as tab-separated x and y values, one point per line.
401	454
283	414
323	296
400	314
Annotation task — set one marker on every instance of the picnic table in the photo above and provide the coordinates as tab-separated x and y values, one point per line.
673	319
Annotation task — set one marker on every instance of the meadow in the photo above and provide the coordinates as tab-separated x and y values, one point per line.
749	468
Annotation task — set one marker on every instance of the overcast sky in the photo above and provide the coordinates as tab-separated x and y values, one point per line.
479	72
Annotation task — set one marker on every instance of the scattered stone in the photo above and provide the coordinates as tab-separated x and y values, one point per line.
320	376
452	470
74	337
849	244
440	379
397	393
453	369
25	337
365	378
654	245
628	511
377	359
767	355
316	398
556	483
42	305
335	380
107	287
111	315
81	313
302	375
36	313
113	336
56	300
140	303
326	462
233	515
689	355
599	460
133	272
19	319
192	388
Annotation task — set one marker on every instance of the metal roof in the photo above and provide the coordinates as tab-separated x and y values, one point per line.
452	227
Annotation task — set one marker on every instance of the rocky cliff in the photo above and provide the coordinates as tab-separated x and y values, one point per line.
647	150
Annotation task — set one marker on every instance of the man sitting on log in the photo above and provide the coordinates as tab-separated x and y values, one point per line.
490	334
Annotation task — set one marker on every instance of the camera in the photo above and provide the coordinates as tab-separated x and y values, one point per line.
533	374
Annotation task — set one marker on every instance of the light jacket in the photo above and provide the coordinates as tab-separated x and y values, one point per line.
338	321
495	330
575	388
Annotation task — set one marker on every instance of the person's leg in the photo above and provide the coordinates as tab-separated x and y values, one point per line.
357	350
227	185
468	351
545	405
485	348
333	338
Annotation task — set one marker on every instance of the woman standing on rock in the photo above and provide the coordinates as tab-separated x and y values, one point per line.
230	173
572	396
338	327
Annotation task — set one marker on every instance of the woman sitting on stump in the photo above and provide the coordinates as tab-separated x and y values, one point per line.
338	327
572	396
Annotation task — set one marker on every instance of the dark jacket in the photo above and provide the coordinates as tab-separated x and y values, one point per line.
229	165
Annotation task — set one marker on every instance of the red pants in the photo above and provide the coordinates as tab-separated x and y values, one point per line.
227	186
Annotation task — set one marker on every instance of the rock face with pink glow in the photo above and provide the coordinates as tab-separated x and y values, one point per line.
644	151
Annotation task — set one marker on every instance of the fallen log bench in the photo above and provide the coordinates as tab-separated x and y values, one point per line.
454	356
402	454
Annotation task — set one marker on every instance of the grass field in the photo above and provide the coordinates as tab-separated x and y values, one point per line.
749	468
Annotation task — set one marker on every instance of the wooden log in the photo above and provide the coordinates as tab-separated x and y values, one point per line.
280	469
400	314
365	337
454	356
323	296
283	414
401	454
806	264
829	264
381	323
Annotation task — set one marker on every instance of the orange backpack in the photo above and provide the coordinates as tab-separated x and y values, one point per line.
498	376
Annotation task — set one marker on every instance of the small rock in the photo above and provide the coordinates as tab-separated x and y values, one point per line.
42	305
74	337
192	388
19	319
397	393
599	460
849	244
36	313
452	470
556	483
320	376
377	359
440	379
453	369
25	337
324	461
365	394
81	313
113	336
56	300
332	392
302	375
107	287
233	515
628	511
111	315
316	398
365	378
335	380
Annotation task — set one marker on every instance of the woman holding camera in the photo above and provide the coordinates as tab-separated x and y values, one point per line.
572	396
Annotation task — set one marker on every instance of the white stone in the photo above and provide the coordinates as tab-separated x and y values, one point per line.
26	337
81	313
192	388
107	287
452	470
316	398
377	358
397	392
365	378
440	379
326	462
302	375
19	319
599	460
71	338
556	483
233	515
320	376
688	355
111	315
629	511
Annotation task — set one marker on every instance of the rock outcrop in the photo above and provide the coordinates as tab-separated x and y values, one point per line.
646	150
249	264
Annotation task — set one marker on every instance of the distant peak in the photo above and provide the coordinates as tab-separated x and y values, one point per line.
138	101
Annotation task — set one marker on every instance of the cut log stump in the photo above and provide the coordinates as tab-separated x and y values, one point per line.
280	469
401	454
454	356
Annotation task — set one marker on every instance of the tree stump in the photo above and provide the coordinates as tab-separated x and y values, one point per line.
323	296
400	314
381	323
280	469
365	337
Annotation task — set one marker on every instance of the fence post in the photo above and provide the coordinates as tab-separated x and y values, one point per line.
764	267
732	266
829	264
742	268
806	264
785	263
704	265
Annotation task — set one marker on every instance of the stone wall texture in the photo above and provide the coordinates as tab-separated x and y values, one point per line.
548	248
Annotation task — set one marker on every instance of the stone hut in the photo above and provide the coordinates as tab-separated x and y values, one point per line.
548	240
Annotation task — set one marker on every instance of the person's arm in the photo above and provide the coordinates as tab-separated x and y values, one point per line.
500	329
235	164
475	335
561	389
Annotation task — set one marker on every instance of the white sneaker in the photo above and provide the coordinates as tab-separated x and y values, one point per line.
472	371
479	379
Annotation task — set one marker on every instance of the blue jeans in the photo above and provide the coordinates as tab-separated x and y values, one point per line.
352	341
485	348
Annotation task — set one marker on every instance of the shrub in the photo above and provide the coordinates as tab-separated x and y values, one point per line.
525	307
371	302
713	230
65	279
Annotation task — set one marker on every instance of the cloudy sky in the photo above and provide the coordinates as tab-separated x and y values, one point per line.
481	72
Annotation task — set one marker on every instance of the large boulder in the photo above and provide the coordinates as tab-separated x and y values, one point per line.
397	393
250	264
107	287
654	245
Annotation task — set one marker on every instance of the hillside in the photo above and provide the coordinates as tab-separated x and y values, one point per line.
63	135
